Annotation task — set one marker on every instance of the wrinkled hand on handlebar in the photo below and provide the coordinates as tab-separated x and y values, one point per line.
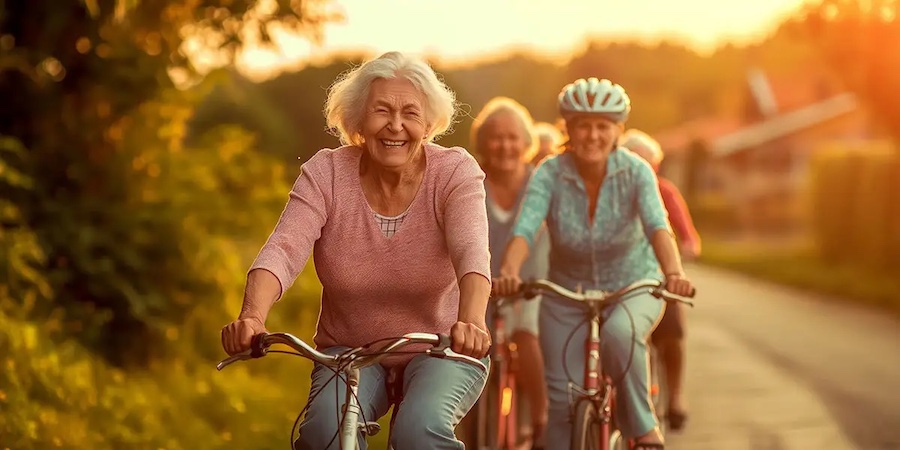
506	285
678	289
470	339
359	357
237	335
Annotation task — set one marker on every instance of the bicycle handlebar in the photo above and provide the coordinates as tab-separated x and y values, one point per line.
654	287
260	344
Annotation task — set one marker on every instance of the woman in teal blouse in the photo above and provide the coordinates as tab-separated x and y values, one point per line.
608	228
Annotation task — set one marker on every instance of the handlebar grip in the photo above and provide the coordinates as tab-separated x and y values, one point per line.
527	289
257	345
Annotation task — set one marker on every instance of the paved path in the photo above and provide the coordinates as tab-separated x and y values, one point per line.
776	368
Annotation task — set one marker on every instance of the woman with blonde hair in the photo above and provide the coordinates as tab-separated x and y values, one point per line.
503	139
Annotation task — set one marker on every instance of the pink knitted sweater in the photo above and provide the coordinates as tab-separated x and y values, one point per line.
373	286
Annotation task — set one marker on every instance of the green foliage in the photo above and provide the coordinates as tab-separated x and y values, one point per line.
854	205
286	111
117	212
237	101
147	244
713	214
197	215
121	242
57	394
802	266
20	253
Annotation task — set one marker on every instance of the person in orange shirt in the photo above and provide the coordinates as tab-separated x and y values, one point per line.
669	335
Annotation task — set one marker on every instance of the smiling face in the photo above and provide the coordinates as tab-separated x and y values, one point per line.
593	138
505	142
394	126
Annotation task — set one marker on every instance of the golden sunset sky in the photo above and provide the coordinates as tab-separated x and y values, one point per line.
460	31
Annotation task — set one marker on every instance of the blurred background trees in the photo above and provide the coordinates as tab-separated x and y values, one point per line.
136	186
116	200
123	245
860	39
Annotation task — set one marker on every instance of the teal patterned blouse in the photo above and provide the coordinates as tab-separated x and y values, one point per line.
615	250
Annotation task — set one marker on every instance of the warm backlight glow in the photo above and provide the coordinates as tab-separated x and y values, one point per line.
461	31
506	402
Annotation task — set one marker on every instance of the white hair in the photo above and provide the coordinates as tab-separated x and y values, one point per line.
642	144
495	107
544	130
345	105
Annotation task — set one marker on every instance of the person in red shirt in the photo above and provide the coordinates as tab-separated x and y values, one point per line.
669	335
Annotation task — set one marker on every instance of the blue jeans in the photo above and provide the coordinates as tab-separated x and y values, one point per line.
437	393
559	318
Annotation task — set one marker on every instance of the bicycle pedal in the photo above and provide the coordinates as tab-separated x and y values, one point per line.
371	428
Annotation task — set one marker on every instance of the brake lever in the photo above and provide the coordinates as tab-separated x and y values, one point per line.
447	353
257	349
247	354
443	351
661	293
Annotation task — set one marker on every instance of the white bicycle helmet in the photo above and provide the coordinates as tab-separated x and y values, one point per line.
594	97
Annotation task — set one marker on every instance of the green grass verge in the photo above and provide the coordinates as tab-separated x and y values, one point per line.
798	265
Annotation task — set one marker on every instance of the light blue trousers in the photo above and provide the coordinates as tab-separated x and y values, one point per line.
437	393
559	318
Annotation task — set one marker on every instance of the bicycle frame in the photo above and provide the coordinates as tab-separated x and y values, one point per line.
350	363
598	386
502	377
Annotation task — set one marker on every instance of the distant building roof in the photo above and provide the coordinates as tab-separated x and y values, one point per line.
677	139
803	89
783	124
787	104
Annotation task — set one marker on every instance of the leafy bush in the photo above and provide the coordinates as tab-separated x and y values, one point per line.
54	393
854	204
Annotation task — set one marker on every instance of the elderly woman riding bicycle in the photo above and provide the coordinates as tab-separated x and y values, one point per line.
398	232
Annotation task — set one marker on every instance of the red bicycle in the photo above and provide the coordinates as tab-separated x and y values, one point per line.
494	422
593	403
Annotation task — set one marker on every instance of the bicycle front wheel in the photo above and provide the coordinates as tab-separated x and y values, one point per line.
588	429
